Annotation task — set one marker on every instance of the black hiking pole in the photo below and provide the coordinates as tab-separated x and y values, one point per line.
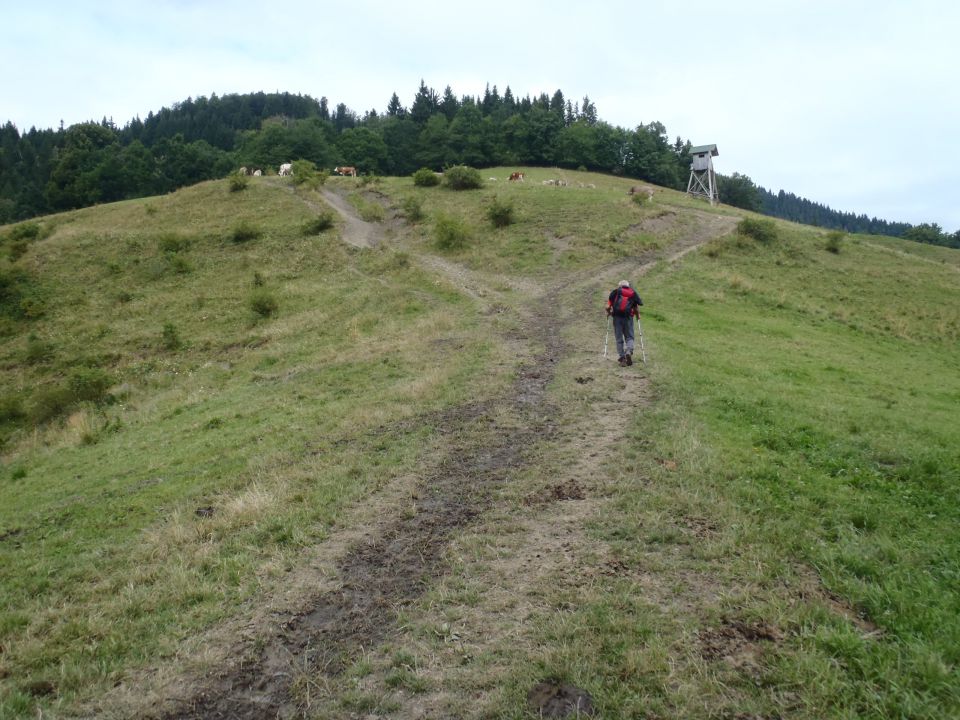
643	353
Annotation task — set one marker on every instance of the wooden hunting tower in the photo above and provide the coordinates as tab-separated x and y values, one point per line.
703	181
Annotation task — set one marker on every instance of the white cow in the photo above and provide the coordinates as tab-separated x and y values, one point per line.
257	173
286	169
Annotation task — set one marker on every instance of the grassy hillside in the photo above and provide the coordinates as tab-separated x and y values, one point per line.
207	404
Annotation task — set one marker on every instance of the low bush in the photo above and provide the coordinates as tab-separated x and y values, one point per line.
237	183
425	177
500	212
89	384
38	351
462	177
172	242
11	409
316	225
412	208
450	233
50	402
245	232
170	338
24	231
264	303
764	231
19	296
305	172
17	249
834	240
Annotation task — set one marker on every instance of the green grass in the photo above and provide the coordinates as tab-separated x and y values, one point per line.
279	423
793	468
809	401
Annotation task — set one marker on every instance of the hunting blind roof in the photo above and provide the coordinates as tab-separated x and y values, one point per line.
712	149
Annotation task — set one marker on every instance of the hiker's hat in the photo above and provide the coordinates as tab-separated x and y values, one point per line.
624	283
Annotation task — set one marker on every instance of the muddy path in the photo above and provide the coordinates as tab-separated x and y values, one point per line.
401	555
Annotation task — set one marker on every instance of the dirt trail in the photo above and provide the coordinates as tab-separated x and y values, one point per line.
356	231
402	555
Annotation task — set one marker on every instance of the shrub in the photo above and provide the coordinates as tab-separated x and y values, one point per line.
425	177
371	212
38	350
123	297
369	180
315	226
450	232
258	280
237	183
412	208
173	243
170	338
11	409
305	173
834	239
24	231
19	296
180	265
50	402
245	232
500	212
17	249
89	384
263	304
462	177
764	231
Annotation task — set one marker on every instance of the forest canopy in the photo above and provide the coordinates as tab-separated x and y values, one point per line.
44	171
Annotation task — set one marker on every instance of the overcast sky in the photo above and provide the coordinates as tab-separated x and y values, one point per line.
850	103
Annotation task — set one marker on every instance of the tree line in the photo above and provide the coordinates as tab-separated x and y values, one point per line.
43	171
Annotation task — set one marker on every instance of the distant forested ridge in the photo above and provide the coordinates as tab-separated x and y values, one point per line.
43	171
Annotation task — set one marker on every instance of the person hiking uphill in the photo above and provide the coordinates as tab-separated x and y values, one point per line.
622	306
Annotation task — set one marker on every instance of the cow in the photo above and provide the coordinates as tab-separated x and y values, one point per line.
518	176
642	190
346	170
243	171
548	182
258	172
286	169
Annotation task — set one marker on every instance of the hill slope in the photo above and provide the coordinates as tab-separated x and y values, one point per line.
272	472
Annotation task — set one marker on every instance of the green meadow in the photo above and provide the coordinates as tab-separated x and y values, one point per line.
201	394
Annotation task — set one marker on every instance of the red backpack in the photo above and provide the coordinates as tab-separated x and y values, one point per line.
625	301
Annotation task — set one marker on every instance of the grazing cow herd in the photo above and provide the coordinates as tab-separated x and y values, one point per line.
286	170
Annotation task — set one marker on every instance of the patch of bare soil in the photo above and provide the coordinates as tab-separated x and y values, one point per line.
356	231
550	699
741	645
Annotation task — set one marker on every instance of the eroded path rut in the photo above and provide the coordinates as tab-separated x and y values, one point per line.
486	443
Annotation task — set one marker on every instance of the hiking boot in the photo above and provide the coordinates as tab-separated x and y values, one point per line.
622	361
629	358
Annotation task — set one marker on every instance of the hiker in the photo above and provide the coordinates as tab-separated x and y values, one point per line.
622	306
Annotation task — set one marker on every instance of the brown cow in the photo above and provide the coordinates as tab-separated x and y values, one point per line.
516	176
346	170
642	190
